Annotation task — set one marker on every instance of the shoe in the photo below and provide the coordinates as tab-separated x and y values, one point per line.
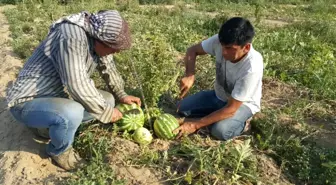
41	132
247	127
69	160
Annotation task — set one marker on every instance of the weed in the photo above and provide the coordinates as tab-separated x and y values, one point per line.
301	53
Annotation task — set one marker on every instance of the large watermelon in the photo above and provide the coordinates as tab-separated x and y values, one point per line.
164	126
133	117
142	136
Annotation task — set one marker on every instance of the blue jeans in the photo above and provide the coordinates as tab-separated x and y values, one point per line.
62	116
204	103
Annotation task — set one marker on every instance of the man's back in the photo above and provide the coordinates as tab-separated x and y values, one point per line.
39	76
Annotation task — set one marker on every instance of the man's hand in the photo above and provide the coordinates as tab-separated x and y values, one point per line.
185	129
186	84
130	100
116	115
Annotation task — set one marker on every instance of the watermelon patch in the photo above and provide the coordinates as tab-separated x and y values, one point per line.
164	126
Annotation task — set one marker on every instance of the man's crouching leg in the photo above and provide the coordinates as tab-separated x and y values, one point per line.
233	126
62	133
60	148
62	117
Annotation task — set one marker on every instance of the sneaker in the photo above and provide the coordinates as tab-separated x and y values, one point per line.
247	128
41	132
69	160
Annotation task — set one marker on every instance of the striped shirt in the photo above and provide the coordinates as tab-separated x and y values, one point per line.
61	66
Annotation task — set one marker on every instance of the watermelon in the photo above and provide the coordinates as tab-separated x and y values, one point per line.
164	126
133	117
142	136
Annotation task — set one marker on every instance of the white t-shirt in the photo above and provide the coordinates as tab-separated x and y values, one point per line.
243	79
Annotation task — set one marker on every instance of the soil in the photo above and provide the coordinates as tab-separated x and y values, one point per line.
23	158
22	155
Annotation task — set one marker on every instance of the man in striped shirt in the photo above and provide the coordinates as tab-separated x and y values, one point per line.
54	89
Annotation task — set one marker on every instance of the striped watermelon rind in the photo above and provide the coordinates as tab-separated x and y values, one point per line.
164	126
130	121
125	107
142	136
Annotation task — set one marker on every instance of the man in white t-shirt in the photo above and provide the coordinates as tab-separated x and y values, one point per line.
237	91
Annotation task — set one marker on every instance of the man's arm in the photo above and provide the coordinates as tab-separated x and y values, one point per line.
73	73
111	76
242	92
224	113
205	47
190	62
190	58
221	114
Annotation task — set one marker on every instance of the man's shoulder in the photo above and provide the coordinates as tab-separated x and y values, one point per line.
72	31
256	55
213	41
216	42
255	61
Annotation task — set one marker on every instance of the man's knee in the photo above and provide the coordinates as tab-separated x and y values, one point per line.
74	114
227	129
191	104
183	108
44	112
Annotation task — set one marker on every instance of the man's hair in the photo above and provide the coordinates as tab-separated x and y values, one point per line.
236	30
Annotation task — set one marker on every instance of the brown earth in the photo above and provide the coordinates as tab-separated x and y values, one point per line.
24	161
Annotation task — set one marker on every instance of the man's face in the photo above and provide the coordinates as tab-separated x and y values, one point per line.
235	52
102	49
